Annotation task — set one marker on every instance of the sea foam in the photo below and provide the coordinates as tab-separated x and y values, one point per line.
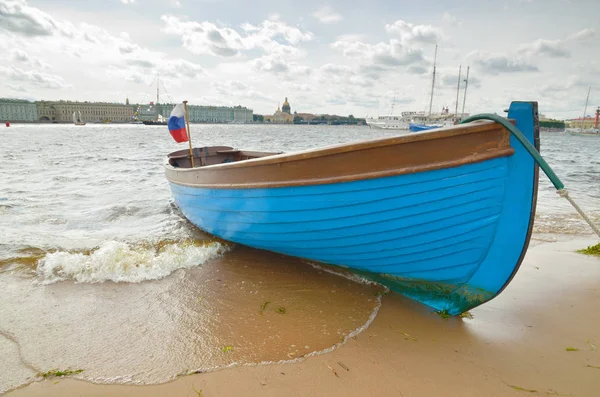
122	262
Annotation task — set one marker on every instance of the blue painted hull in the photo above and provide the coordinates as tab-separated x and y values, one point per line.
422	127
451	238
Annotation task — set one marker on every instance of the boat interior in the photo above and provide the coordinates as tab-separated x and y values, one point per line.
210	155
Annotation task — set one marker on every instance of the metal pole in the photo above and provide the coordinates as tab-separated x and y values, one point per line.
187	122
585	109
433	80
466	85
457	92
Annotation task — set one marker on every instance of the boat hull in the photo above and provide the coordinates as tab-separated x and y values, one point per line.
153	122
388	123
422	127
450	236
584	132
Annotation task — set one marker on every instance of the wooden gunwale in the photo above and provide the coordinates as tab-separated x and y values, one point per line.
405	154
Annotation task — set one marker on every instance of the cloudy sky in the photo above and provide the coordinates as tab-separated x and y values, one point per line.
326	57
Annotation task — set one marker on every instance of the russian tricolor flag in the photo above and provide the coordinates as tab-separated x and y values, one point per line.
176	124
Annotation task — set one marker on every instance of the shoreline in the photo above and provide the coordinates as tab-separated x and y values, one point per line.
515	343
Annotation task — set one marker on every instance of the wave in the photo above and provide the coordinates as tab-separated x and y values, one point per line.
122	262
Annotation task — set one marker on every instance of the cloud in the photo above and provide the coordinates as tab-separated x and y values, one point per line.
404	48
449	79
558	48
19	18
16	88
326	14
417	69
204	37
583	34
390	54
451	19
34	78
414	34
300	87
351	47
234	88
180	68
277	65
336	70
551	48
272	37
143	70
115	57
269	36
127	1
500	63
352	97
343	75
143	63
18	55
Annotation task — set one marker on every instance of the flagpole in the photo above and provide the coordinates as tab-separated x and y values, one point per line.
187	122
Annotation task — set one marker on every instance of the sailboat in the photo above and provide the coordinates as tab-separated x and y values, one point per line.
77	118
159	120
424	122
582	130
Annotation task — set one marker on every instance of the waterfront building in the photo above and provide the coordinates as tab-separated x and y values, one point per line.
580	122
97	112
199	114
62	111
46	111
17	110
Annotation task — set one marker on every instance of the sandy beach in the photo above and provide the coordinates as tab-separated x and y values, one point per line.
539	337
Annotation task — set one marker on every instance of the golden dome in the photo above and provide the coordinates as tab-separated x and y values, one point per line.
286	106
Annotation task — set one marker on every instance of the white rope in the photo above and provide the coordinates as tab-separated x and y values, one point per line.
565	193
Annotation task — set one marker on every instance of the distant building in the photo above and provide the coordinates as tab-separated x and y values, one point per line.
46	111
62	111
17	110
281	116
199	114
584	123
308	117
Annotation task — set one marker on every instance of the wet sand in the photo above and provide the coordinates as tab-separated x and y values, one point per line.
244	306
514	345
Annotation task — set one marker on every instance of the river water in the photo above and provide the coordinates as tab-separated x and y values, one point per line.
99	271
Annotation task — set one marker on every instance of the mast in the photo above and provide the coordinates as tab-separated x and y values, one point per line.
466	85
585	109
433	80
157	95
457	92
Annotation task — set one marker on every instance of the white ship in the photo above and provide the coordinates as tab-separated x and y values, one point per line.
393	122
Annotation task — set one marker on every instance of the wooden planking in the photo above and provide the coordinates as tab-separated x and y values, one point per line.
449	147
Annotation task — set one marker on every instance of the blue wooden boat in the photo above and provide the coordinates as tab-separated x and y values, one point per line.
414	127
443	216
